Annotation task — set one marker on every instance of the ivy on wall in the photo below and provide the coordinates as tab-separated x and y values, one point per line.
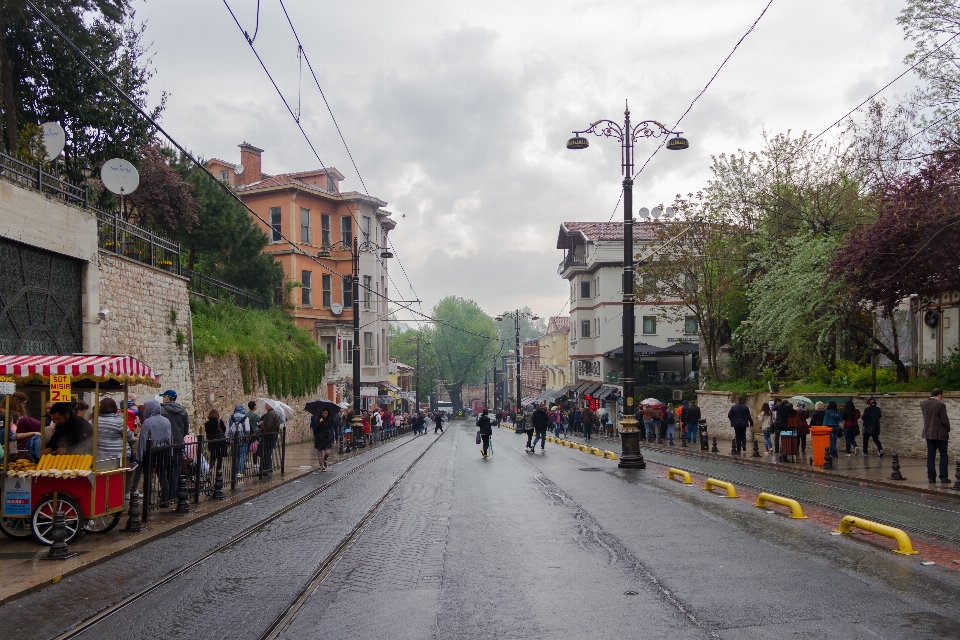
273	351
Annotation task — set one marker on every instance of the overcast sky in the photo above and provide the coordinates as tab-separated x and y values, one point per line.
457	112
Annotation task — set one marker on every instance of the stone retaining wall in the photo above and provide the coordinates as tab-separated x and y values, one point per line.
220	386
901	424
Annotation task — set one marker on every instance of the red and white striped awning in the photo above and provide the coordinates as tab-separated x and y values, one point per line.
100	368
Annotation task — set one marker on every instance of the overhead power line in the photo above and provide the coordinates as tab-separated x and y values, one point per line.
122	94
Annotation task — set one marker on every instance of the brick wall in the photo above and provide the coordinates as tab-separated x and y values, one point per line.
220	387
901	424
139	298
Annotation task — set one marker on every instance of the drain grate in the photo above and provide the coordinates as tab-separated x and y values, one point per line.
592	469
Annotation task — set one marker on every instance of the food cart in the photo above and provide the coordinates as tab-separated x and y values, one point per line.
89	491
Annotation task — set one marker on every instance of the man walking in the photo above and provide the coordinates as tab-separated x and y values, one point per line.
871	426
179	427
936	431
588	417
739	417
269	429
483	422
691	418
541	421
438	422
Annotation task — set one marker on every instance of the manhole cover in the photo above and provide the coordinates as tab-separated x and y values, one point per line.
592	469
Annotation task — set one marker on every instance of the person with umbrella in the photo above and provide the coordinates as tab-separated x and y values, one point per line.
323	428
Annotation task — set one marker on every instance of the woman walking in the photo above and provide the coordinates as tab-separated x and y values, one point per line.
833	419
851	426
323	429
765	418
485	432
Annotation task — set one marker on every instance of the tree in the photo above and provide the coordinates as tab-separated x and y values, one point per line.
403	347
932	25
462	355
42	79
702	270
164	200
529	329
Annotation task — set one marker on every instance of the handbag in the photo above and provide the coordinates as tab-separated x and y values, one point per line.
478	436
254	446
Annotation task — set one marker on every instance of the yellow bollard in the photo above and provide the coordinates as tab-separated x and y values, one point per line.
595	451
679	472
903	540
713	482
584	448
764	498
610	454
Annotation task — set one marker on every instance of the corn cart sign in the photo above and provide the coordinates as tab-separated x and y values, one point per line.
7	386
59	388
16	496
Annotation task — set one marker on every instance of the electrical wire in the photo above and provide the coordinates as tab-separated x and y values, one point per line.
121	93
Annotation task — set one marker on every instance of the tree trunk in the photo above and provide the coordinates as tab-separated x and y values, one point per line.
6	86
455	391
903	375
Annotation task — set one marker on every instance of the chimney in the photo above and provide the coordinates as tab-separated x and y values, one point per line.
250	161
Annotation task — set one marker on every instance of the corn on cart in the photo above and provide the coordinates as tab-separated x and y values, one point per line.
89	491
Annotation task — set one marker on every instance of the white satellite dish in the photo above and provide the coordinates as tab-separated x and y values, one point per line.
238	169
644	213
668	213
53	139
656	213
337	308
119	176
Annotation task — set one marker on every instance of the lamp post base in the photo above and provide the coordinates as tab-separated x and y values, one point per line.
630	456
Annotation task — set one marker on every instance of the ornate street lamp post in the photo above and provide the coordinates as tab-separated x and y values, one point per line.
355	250
627	135
517	316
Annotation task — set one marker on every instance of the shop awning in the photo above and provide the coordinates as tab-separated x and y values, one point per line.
99	368
641	350
684	348
591	390
564	391
583	385
604	392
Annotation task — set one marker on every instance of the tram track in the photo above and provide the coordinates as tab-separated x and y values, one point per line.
316	578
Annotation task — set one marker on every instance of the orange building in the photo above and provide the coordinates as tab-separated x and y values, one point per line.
308	210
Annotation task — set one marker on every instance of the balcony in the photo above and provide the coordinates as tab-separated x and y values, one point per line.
613	377
572	260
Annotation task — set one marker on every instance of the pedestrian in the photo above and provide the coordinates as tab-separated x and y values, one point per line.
158	430
376	426
851	426
541	421
871	426
671	423
765	418
692	420
834	419
646	415
238	430
740	418
587	417
936	431
24	434
485	432
803	429
682	414
323	429
438	423
269	430
216	432
783	412
179	427
110	426
365	427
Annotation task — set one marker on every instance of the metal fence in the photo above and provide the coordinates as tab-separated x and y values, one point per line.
212	288
204	469
118	236
33	176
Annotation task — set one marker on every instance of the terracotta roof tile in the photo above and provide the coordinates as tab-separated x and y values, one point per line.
602	232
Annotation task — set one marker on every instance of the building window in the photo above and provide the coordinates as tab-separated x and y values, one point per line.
348	351
366	228
331	184
305	291
649	284
367	286
305	226
690	324
326	282
596	286
346	229
275	219
325	230
347	292
584	288
649	324
225	176
596	324
368	348
328	347
573	291
584	328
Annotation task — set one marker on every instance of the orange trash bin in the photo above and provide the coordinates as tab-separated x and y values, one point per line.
820	440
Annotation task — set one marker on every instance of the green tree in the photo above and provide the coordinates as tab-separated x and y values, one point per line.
42	79
403	347
462	355
529	329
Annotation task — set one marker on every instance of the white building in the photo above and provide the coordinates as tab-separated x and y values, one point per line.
593	266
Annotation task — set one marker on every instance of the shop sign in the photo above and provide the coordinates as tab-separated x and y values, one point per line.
7	386
16	496
59	388
369	392
384	399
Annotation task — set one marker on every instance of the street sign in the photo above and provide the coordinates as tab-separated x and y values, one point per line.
16	496
59	388
7	386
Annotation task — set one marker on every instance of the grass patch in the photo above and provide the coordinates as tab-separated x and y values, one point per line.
271	348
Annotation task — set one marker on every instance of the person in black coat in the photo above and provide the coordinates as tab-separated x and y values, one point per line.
324	429
485	432
871	426
740	418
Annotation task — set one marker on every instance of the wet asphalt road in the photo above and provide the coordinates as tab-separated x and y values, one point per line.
517	546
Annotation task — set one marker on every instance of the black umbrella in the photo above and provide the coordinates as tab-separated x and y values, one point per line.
316	407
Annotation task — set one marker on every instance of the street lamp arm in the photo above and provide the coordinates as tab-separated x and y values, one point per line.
363	247
645	129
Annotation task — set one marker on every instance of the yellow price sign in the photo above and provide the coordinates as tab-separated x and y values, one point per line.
59	388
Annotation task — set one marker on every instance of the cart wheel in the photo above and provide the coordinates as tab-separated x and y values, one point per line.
43	520
101	524
16	528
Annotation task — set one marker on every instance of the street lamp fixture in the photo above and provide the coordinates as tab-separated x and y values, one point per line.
86	170
323	253
517	316
627	134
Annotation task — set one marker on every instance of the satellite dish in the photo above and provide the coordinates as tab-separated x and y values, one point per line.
644	213
931	318
238	169
119	176
53	139
656	213
337	308
668	213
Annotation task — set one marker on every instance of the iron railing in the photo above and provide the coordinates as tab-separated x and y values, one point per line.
34	176
116	235
214	289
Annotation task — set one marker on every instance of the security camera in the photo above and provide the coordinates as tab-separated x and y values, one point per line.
104	314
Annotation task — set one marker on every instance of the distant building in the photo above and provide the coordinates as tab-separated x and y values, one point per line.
531	374
554	353
309	209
